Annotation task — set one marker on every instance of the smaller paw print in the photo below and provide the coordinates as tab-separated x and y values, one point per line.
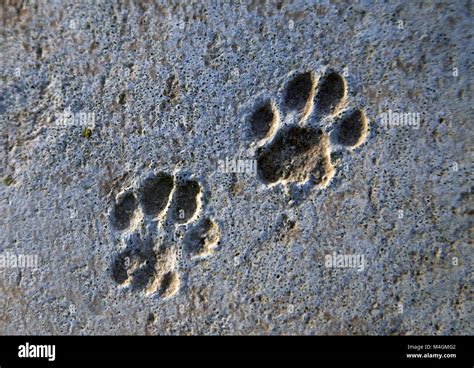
144	218
297	149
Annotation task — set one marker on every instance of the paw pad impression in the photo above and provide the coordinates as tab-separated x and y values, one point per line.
145	264
300	152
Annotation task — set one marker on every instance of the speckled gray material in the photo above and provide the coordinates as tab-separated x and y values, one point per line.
157	201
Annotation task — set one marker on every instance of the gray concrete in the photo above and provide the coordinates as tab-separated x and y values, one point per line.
321	229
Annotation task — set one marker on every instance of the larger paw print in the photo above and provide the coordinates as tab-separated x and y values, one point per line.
300	152
155	206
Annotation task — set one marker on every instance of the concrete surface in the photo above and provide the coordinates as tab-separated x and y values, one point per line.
248	167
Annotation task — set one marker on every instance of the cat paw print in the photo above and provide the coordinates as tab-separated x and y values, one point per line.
296	149
145	218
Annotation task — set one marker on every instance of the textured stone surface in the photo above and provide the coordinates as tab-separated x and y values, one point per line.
121	126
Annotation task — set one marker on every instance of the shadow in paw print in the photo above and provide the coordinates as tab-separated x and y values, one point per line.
185	201
155	193
263	120
351	129
330	94
294	155
123	211
202	240
298	91
135	265
169	284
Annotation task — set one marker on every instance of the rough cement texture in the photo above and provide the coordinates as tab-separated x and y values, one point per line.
121	123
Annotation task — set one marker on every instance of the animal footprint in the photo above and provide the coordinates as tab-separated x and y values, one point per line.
301	152
159	204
